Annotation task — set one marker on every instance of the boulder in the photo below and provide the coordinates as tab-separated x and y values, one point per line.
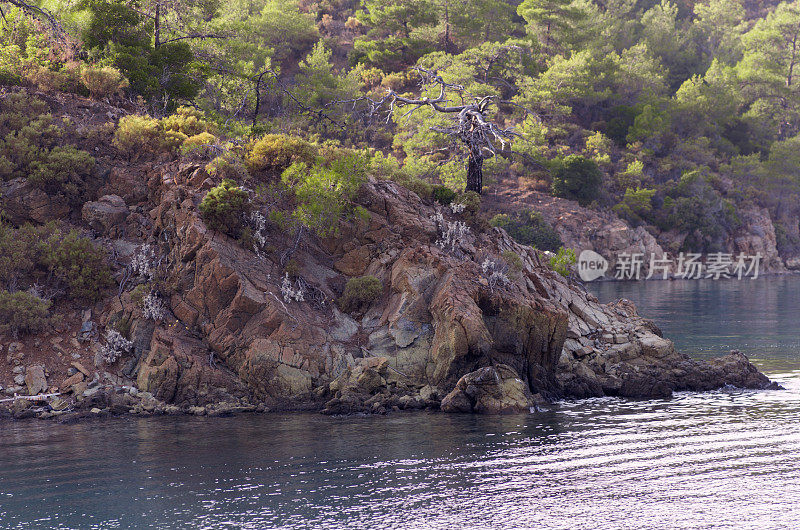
71	380
106	215
35	380
490	390
370	381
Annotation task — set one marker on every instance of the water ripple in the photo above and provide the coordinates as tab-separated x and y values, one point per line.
727	459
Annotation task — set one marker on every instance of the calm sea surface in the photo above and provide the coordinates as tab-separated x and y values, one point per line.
727	459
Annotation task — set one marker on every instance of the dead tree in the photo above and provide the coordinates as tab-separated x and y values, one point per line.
471	126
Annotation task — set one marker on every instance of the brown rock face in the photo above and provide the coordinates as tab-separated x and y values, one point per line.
758	236
23	202
179	369
490	390
443	326
107	215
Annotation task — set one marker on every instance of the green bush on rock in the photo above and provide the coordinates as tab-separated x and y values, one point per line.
324	192
23	312
562	261
529	228
443	195
576	177
359	292
276	152
77	263
224	208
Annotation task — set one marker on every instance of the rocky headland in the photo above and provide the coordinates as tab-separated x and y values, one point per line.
467	320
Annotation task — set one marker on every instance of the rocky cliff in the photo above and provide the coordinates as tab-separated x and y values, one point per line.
468	320
454	326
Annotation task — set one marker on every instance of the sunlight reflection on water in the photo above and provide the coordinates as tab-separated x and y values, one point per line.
724	459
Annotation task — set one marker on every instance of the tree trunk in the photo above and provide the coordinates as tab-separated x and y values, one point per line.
258	97
475	172
157	29
449	46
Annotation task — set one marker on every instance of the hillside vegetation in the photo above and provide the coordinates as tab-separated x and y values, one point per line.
675	116
347	206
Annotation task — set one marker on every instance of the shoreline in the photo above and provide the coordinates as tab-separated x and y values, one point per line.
126	401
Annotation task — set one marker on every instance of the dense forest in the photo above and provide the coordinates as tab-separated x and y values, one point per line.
674	115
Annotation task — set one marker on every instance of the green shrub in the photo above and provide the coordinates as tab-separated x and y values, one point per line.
22	312
77	263
529	228
471	201
188	121
276	152
18	110
143	134
224	208
636	205
9	78
443	195
63	170
323	193
103	81
29	148
632	176
697	209
619	121
513	260
419	186
227	166
136	134
359	292
198	144
500	220
576	177
23	107
280	219
139	292
15	259
292	268
562	261
362	214
27	134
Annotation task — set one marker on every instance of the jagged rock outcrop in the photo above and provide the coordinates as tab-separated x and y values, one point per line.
757	236
23	203
442	327
436	321
610	350
107	215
